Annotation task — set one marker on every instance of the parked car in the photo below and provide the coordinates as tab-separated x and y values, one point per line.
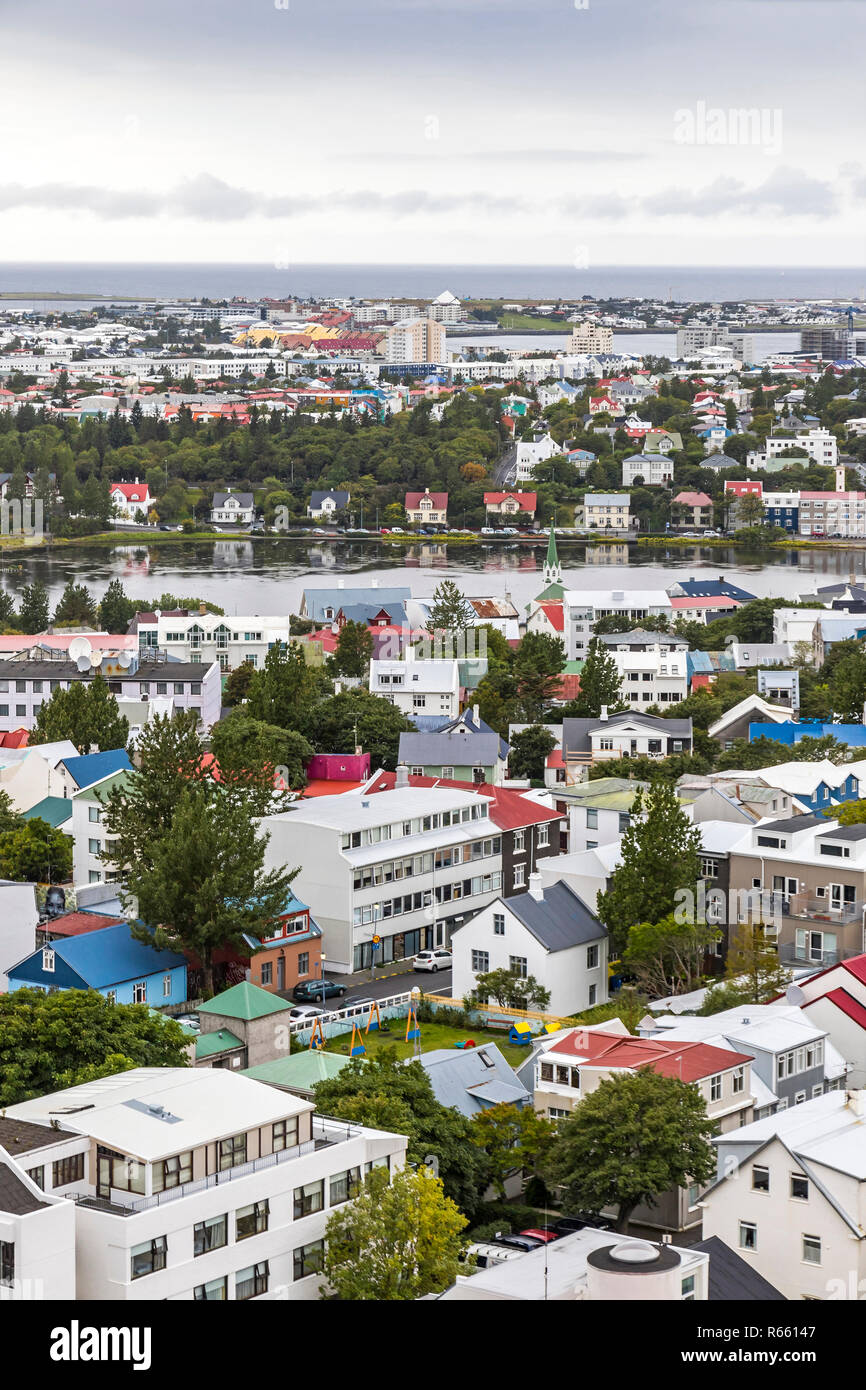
432	961
306	1011
542	1233
354	1004
317	989
567	1225
519	1242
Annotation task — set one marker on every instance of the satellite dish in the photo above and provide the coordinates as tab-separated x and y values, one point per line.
795	995
96	658
83	662
125	660
79	646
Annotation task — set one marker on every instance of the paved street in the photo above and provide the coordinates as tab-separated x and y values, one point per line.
398	982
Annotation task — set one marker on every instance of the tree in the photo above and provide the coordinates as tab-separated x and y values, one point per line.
239	741
238	682
629	1141
660	850
847	686
529	750
34	607
849	813
354	649
9	817
667	957
86	713
599	683
115	609
76	605
281	691
355	718
753	966
511	990
750	510
398	1240
50	1041
765	752
34	852
512	1137
385	1093
451	612
537	668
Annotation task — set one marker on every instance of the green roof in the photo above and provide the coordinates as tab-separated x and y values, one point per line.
605	793
573	668
551	594
99	791
209	1044
244	1001
301	1071
53	809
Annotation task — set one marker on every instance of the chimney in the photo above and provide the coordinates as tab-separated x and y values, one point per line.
856	1102
536	889
603	714
402	777
202	608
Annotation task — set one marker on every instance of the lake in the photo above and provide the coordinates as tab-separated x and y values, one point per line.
267	576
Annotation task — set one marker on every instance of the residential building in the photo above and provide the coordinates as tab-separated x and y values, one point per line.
648	470
835	999
323	604
132	501
25	684
589	741
819	444
584	607
546	932
204	638
89	839
789	1197
243	1026
530	453
198	1184
110	960
327	504
291	952
236	507
736	722
606	511
446	308
781	686
37	1229
782	509
427	508
415	340
599	812
511	505
463	750
473	1079
19	918
832	514
418	686
652	666
590	337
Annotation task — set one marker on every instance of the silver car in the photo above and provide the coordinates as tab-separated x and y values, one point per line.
432	961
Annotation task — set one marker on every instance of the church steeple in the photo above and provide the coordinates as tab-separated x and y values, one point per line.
552	571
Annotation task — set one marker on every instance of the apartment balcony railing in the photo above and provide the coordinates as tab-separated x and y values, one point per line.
791	954
326	1132
826	909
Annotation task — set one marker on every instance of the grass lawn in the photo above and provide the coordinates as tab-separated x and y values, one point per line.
433	1035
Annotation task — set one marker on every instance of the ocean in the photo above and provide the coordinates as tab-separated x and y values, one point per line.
689	284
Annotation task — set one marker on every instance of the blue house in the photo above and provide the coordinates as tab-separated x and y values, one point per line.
83	771
109	960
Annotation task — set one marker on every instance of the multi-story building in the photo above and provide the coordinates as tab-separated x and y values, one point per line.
782	509
652	667
418	687
405	865
584	607
190	1183
237	507
206	638
511	504
530	453
24	685
589	741
590	337
819	444
427	507
131	500
445	308
694	509
830	514
415	340
606	511
653	470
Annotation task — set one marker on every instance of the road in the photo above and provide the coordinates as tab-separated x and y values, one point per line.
399	983
505	466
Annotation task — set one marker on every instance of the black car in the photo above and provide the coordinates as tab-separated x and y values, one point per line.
525	1243
311	991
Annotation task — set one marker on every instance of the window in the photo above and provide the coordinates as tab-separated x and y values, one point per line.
304	963
519	841
93	814
748	1235
94	846
812	1250
480	962
267	974
519	966
592	820
139	992
166	986
67	1170
593	995
252	1220
285	1134
760	1178
519	875
499	924
7	1262
251	1282
687	1288
232	1151
543	836
214	1291
448	772
210	1235
738	1081
591	957
37	1176
715	1088
308	1260
343	1186
147	1258
172	1172
309	1198
48	959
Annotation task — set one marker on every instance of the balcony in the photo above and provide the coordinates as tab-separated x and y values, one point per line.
826	909
326	1133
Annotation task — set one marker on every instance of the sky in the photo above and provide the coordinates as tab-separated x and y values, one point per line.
560	132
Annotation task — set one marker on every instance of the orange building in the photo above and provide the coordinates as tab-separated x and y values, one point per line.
291	953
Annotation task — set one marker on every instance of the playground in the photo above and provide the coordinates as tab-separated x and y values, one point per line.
432	1035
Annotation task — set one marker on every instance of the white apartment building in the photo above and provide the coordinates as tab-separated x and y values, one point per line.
191	1184
445	308
819	444
656	470
584	607
415	340
405	865
652	668
590	337
229	641
418	687
790	1197
37	1229
531	452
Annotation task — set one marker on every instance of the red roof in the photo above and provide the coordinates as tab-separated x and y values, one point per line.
844	1001
328	786
133	492
554	613
739	489
694	499
686	1061
856	966
510	810
14	738
526	500
439	500
695	602
77	923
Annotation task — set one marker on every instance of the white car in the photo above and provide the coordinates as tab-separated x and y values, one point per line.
432	961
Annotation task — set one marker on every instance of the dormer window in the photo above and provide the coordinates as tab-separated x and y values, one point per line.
48	959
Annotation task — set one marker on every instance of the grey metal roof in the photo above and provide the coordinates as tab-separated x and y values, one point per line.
731	1278
845	832
317	600
794	824
639	638
576	732
464	1080
243	499
451	748
341	498
559	920
15	1196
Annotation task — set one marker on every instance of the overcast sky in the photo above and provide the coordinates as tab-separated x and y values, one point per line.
512	131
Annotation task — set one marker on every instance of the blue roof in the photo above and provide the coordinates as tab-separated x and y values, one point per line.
92	767
712	588
111	955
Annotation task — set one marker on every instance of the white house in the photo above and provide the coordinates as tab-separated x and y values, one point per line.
653	469
229	641
790	1197
418	687
652	667
195	1183
37	1229
327	504
819	444
531	452
548	933
238	507
584	607
132	501
19	916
